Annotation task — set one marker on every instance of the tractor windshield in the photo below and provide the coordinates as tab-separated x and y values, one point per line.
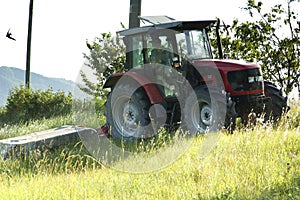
193	44
162	46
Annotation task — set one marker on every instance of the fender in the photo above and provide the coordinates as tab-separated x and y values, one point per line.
150	88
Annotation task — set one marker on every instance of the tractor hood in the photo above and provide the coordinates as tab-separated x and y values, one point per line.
227	65
240	78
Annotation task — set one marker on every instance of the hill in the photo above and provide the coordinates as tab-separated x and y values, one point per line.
11	77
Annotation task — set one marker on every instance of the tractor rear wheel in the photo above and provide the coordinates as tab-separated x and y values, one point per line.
278	103
127	113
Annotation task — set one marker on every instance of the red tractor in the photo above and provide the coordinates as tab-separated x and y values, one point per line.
172	80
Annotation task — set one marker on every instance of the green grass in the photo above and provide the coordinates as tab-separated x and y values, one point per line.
14	130
258	163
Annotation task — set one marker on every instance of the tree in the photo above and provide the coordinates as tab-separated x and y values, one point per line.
272	40
24	104
106	56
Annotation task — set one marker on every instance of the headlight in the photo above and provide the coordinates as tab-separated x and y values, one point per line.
251	79
259	79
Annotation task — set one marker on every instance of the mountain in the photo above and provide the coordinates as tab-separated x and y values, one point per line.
11	77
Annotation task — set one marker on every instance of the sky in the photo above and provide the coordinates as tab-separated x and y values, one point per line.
61	27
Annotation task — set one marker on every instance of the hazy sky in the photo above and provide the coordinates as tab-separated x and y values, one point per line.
61	27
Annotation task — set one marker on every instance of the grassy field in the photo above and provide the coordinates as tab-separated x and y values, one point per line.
258	163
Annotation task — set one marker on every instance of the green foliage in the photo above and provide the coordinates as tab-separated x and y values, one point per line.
99	105
273	40
89	112
291	120
24	104
106	56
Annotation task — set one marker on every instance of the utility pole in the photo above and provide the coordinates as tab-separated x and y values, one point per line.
134	13
27	76
220	51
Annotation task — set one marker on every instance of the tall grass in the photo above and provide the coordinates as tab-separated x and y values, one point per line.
258	163
13	130
34	126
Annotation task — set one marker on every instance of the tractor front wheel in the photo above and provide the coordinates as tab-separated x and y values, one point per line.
278	103
211	111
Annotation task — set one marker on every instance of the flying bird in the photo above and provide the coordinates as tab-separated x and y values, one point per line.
9	35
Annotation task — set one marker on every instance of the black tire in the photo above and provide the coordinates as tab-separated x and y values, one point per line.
230	119
216	111
278	103
127	113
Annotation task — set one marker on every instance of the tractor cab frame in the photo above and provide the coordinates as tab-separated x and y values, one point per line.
182	39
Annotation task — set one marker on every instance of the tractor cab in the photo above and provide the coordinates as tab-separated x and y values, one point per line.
166	41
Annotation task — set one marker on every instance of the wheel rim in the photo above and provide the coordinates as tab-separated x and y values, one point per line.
201	118
126	117
205	115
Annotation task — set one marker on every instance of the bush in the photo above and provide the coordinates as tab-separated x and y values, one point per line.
2	114
24	104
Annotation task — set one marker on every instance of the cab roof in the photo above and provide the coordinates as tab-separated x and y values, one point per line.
164	22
